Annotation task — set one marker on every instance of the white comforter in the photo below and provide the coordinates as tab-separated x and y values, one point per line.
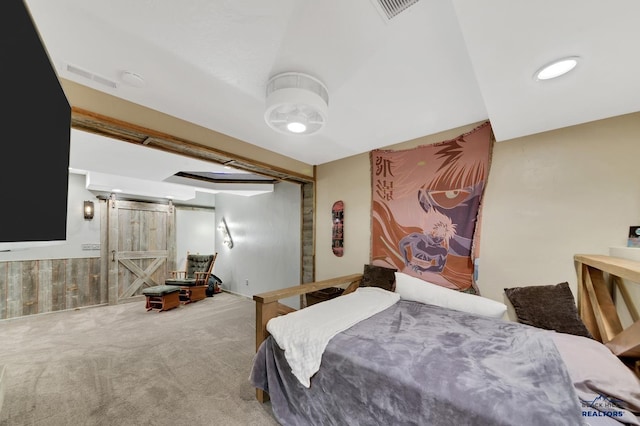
303	335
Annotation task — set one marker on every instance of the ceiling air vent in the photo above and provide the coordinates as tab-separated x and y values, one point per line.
86	74
390	8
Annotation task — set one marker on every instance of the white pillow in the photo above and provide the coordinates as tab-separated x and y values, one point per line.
417	290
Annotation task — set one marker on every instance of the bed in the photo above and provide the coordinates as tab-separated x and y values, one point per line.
408	362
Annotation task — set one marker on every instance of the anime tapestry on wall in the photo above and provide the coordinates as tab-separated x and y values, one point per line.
426	208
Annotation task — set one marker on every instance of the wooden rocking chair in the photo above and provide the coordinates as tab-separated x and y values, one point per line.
194	279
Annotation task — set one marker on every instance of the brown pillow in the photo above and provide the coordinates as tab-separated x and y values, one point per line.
379	276
551	307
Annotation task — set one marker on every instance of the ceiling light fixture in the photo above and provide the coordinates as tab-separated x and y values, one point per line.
296	103
556	68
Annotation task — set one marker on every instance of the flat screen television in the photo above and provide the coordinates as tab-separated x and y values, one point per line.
35	131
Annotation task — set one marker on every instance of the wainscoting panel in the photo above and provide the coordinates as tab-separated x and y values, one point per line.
31	287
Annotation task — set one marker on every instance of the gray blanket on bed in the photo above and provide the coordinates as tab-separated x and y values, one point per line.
416	364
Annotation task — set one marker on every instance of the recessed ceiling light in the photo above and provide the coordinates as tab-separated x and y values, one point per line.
556	68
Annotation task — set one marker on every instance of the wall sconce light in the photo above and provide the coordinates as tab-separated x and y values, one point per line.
88	210
227	241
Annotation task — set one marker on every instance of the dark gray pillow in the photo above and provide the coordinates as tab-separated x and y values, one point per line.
379	276
551	307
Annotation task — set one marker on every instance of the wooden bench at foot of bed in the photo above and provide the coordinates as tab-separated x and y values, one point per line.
268	306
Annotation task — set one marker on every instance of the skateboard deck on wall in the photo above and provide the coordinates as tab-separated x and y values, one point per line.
337	235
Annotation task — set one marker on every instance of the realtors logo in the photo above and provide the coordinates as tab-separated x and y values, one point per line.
604	406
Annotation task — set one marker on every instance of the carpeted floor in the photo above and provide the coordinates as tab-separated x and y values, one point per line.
122	365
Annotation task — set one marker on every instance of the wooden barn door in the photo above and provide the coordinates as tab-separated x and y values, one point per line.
139	242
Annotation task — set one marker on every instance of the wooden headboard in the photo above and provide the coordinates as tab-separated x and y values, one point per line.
600	279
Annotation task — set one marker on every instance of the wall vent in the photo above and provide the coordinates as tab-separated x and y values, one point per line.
391	8
86	74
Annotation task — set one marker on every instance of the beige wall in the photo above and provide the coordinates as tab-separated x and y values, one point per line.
548	197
